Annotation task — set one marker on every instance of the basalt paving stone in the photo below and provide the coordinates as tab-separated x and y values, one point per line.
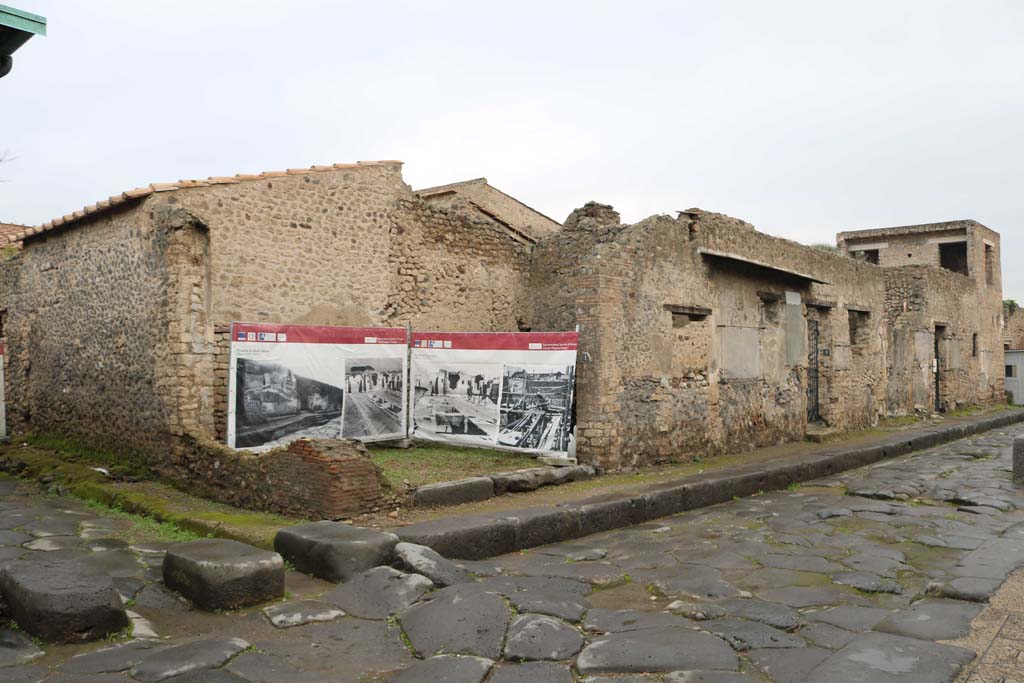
887	658
826	635
596	573
444	669
98	545
9	554
806	563
379	592
301	612
422	560
656	650
186	658
471	624
710	677
691	581
37	674
626	678
110	659
616	621
51	543
343	651
869	583
257	667
993	559
116	563
745	635
964	588
791	666
932	619
779	578
770	613
697	611
540	637
16	648
875	564
41	528
531	672
552	604
8	537
813	596
850	617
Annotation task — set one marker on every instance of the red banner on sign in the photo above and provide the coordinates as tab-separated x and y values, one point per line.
314	334
497	341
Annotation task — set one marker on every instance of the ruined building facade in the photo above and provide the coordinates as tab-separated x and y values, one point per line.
699	334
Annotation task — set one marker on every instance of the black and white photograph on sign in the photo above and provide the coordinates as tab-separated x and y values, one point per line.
536	401
373	398
275	404
458	402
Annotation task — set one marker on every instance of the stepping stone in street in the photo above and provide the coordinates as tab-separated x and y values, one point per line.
379	592
61	601
186	658
887	658
532	672
538	637
221	574
656	650
459	623
423	560
445	669
333	550
17	648
300	612
932	619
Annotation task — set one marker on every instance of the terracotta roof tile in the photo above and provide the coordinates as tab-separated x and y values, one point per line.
9	236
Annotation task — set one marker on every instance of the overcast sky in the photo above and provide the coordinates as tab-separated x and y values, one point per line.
804	118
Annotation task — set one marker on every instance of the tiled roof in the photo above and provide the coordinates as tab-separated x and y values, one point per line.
9	230
141	192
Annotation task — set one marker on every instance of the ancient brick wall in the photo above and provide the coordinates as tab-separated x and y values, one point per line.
316	479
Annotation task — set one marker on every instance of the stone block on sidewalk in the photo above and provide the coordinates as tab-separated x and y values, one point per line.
217	573
454	492
62	601
333	550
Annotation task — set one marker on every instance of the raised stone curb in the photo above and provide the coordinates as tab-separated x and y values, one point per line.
1018	460
473	489
481	536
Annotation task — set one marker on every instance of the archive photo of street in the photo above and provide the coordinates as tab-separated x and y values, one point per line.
275	405
456	403
535	407
374	403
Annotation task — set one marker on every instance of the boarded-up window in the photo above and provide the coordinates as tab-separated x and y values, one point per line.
739	352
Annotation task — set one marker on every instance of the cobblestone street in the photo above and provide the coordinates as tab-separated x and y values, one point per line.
865	576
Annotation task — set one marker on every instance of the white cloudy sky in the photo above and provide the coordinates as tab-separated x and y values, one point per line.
803	118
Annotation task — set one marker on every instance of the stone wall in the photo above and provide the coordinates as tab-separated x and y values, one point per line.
1013	330
491	201
86	332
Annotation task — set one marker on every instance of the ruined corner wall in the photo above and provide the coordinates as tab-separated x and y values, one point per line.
919	299
656	384
86	327
1013	331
